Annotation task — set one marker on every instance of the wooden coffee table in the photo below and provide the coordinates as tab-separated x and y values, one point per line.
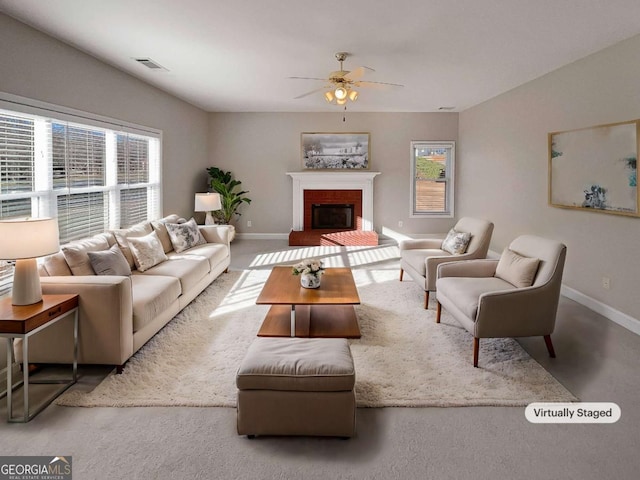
303	312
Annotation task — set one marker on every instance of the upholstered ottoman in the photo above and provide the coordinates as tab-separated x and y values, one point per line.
297	386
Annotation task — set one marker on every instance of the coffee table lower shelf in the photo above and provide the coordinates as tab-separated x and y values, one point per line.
317	321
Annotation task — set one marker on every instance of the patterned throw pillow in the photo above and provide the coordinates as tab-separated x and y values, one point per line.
109	262
147	251
456	243
184	235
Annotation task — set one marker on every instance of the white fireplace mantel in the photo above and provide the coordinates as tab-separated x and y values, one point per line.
333	181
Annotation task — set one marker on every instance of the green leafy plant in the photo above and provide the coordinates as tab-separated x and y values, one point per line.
223	183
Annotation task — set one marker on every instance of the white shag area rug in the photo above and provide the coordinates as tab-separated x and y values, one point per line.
403	358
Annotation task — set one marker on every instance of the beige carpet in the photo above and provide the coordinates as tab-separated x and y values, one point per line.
403	358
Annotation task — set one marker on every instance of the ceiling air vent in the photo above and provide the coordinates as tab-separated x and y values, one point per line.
150	64
446	109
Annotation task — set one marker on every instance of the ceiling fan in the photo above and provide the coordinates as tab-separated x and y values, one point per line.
341	85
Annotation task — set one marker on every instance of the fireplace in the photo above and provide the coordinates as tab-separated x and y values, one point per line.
327	215
333	208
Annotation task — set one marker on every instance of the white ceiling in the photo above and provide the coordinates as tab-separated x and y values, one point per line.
235	56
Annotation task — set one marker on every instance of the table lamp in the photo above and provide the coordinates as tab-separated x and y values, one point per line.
23	241
208	202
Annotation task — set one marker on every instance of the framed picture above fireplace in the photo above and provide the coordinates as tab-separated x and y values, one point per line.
335	151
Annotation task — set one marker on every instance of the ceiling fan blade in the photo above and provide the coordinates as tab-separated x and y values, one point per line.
377	84
307	78
358	72
311	92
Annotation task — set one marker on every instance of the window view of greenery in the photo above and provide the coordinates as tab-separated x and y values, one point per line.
430	173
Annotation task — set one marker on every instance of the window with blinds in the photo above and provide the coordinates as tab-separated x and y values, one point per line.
92	177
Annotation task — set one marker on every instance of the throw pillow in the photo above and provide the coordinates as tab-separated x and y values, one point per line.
109	262
122	236
456	243
147	251
75	253
159	226
184	235
519	271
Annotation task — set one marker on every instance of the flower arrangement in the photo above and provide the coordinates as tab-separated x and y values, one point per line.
309	267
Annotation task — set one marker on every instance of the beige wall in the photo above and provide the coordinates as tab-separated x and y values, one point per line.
259	148
37	66
503	169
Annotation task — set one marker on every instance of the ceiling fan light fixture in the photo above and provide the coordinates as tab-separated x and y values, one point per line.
340	93
341	101
328	96
353	95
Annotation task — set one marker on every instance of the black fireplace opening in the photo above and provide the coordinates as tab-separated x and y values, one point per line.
338	216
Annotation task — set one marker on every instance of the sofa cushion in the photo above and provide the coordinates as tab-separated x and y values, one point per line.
456	243
297	364
213	252
417	258
184	235
517	269
189	270
75	253
56	265
147	251
121	236
159	226
109	262
467	291
152	295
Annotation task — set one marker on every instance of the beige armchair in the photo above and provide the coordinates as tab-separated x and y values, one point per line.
476	294
420	257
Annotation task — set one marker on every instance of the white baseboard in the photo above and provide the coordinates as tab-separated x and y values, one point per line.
622	319
263	236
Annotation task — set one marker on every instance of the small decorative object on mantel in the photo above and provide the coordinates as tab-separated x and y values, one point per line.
310	271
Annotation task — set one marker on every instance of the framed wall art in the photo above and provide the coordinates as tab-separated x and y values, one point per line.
595	168
335	151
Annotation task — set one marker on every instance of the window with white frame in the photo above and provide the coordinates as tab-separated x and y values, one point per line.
432	178
91	175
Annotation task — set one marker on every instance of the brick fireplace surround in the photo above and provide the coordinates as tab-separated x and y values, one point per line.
333	188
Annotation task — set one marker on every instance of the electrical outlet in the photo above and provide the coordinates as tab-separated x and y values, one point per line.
248	223
606	283
400	224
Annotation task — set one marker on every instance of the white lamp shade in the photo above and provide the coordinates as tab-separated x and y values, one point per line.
21	239
207	202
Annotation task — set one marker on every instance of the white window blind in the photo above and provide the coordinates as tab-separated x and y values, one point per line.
92	173
16	154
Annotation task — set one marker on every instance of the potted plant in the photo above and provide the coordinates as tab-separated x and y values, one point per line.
231	198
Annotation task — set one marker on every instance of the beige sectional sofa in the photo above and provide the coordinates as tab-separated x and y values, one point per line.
120	313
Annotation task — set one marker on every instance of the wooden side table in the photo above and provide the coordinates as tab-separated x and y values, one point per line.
22	321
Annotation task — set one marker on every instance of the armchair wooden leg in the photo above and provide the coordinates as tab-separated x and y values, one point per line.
401	274
476	349
426	300
438	312
547	340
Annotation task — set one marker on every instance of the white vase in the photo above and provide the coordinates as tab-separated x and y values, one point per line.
309	280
